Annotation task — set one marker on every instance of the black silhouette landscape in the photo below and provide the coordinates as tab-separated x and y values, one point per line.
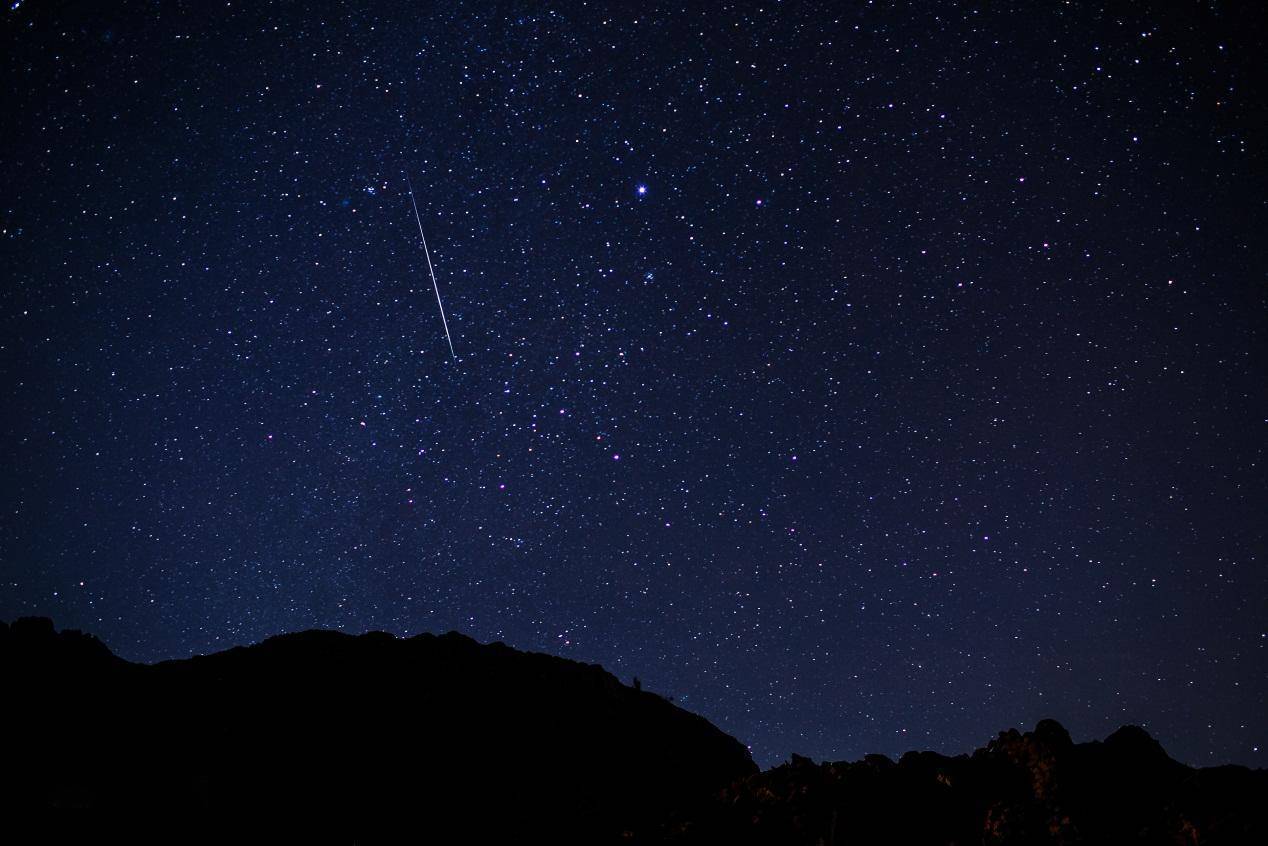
372	738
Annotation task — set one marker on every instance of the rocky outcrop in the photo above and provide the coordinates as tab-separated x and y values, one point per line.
1036	787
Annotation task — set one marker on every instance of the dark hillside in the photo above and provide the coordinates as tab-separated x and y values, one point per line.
326	737
360	736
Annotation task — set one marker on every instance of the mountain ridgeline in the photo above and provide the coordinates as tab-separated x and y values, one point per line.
376	739
368	738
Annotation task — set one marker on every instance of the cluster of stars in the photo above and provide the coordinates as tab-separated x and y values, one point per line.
861	379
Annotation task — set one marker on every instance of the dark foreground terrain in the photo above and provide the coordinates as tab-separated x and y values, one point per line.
322	736
1031	788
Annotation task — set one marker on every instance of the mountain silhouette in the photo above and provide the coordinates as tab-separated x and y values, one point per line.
326	737
1031	788
368	738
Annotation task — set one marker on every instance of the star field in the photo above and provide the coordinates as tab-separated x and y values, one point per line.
864	378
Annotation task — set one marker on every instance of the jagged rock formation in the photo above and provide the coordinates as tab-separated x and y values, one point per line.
1032	788
362	739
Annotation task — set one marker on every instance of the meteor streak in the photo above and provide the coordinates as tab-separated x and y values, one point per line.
427	253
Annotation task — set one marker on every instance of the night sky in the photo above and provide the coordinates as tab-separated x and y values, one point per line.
865	379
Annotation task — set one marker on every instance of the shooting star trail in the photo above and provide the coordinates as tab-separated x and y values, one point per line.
427	253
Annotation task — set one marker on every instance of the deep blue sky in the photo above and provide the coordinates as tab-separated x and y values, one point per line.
864	378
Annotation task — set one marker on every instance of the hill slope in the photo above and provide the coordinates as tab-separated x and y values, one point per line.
326	737
367	738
